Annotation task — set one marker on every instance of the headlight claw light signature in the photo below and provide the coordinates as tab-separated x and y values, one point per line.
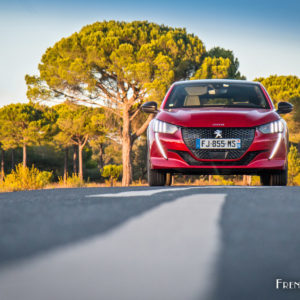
163	127
273	127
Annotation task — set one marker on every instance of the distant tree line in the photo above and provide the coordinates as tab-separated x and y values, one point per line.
61	127
66	138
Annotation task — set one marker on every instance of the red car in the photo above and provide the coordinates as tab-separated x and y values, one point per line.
222	127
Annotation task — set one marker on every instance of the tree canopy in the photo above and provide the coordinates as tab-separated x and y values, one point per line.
77	124
22	125
219	63
281	88
286	88
109	61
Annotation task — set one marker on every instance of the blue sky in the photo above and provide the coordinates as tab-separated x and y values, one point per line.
264	35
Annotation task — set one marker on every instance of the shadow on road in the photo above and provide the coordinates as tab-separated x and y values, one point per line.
260	242
36	221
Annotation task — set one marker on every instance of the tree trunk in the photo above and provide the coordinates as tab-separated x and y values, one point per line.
66	165
247	180
75	159
101	163
126	149
12	159
24	155
80	147
2	164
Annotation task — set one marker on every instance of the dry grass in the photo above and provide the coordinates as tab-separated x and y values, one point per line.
74	182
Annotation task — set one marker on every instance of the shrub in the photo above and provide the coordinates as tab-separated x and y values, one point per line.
24	178
255	180
296	179
113	172
72	181
220	180
294	166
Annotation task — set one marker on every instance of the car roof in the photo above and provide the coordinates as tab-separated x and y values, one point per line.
184	82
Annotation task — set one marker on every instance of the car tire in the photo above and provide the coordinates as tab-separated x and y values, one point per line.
275	179
265	179
155	178
279	179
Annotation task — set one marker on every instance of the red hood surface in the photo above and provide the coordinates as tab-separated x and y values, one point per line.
217	116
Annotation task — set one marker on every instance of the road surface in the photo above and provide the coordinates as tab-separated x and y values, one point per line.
185	243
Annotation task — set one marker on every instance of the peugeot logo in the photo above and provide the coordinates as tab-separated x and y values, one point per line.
218	133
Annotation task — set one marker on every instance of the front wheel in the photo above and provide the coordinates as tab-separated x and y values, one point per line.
156	178
275	179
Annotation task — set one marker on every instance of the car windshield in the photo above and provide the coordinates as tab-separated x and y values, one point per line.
195	94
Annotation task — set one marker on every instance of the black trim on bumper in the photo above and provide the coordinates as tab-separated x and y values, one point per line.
244	161
219	171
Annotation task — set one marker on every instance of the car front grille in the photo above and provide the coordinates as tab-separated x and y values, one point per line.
246	135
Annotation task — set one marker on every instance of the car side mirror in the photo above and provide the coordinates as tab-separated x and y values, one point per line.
284	108
150	107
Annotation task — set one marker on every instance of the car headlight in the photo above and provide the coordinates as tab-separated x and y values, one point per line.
163	127
273	127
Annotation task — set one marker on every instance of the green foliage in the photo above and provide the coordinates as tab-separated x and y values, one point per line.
139	159
108	61
286	88
77	124
255	180
46	158
24	178
37	89
72	181
21	124
113	172
281	88
113	153
213	67
219	63
293	120
136	56
233	70
220	180
296	180
294	166
73	123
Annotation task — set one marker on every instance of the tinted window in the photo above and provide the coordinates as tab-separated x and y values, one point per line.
217	94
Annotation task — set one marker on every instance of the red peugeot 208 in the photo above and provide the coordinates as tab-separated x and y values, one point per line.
217	127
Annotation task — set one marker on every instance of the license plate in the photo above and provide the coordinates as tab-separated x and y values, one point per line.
218	143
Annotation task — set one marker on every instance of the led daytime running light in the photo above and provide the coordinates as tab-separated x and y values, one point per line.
163	127
273	127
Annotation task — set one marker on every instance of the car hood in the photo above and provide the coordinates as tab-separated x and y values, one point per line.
217	116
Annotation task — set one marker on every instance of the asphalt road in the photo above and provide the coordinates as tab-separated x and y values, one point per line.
210	243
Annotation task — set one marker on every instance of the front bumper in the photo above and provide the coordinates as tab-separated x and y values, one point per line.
169	153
